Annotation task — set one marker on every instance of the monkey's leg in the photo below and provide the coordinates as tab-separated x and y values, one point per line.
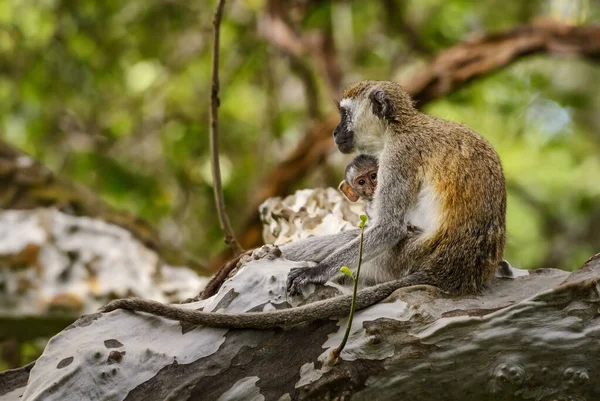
315	249
345	253
395	192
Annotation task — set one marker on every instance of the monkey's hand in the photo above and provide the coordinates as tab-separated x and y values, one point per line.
299	277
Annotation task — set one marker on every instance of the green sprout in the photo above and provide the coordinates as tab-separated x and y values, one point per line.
347	272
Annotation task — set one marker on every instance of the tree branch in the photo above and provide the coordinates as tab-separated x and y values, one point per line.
27	184
230	239
456	66
402	355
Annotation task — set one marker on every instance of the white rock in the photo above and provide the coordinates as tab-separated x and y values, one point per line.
51	259
308	213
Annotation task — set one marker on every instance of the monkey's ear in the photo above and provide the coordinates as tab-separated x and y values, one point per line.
347	190
381	104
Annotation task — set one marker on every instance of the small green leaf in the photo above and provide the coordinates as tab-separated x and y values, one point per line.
347	272
363	220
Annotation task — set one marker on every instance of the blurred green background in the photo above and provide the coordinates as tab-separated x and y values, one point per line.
114	94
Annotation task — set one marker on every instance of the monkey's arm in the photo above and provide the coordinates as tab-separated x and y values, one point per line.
397	190
343	253
316	249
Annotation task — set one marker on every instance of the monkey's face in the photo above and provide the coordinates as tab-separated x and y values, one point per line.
360	129
343	135
359	184
366	110
364	185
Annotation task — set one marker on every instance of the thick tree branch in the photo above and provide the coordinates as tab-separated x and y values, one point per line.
532	336
458	65
214	137
447	72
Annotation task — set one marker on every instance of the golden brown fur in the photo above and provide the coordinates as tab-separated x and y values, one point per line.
466	174
439	175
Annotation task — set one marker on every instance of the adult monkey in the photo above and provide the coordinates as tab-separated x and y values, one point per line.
439	175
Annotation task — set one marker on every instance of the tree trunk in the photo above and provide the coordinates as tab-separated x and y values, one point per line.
532	335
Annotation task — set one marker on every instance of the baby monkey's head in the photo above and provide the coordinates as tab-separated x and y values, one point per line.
360	178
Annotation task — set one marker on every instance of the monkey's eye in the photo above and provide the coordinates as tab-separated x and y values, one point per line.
361	182
374	176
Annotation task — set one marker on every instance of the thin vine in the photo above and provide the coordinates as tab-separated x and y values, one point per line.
230	239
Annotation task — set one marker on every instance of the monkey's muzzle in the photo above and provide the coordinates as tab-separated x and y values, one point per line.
344	139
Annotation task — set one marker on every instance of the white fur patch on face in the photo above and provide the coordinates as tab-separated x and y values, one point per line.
368	129
425	214
347	103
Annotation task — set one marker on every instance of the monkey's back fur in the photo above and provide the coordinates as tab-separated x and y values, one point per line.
467	178
447	180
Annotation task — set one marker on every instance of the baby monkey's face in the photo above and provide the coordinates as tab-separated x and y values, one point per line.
364	185
359	184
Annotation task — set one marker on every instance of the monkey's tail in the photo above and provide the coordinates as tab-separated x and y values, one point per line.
328	308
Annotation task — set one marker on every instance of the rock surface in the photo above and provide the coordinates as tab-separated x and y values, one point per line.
307	213
527	337
52	263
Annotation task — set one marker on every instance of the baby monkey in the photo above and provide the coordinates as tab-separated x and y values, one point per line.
360	181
